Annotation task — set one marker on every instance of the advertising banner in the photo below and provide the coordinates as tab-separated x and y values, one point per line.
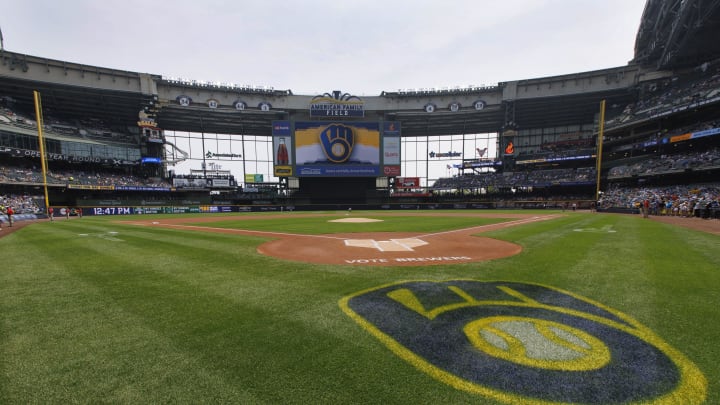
253	178
391	149
219	183
282	149
407	182
17	152
189	183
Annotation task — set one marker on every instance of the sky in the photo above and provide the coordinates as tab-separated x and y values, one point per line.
311	47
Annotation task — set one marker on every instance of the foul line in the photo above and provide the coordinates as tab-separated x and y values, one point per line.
500	225
285	234
247	231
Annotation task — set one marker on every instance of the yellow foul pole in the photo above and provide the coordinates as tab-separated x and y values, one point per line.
598	159
41	143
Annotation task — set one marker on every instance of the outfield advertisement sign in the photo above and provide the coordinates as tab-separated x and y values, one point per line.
108	211
140	210
253	178
391	149
283	156
182	210
192	183
149	210
407	182
17	152
141	188
185	209
214	209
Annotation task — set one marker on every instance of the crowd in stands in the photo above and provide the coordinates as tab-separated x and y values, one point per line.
669	163
698	200
668	94
516	179
656	138
655	165
66	177
21	204
559	149
695	200
557	154
87	128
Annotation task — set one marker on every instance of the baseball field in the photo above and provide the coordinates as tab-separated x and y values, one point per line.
492	307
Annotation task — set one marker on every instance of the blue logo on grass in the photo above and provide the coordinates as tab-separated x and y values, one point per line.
525	343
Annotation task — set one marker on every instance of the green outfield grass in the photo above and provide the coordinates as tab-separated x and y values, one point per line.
94	310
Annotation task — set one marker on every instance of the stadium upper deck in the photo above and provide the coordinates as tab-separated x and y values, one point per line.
115	97
673	34
75	90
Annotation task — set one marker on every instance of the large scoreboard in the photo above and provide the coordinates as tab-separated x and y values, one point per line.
336	149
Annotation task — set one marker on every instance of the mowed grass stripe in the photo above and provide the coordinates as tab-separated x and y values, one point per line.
170	315
78	336
207	330
664	276
323	224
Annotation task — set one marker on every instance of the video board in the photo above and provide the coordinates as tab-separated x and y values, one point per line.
335	149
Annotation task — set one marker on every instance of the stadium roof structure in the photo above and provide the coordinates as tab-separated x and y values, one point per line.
529	113
74	102
673	34
678	33
74	91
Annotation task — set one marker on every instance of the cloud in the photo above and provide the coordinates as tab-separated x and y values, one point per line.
316	46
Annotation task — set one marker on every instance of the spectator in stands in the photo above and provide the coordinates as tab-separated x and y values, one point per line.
698	209
668	207
684	209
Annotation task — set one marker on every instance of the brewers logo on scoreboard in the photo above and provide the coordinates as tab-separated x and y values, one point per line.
337	149
337	141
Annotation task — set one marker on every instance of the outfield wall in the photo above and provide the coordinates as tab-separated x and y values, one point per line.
212	209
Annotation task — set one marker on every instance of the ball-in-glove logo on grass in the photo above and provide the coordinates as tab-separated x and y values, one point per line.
525	343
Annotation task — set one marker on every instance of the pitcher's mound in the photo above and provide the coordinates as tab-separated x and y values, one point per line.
356	220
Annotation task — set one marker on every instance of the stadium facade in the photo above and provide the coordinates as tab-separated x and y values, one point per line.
154	143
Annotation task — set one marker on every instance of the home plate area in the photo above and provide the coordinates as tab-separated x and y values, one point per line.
392	245
377	249
400	249
389	249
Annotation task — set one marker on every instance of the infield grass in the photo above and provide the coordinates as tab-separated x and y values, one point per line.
94	310
333	223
